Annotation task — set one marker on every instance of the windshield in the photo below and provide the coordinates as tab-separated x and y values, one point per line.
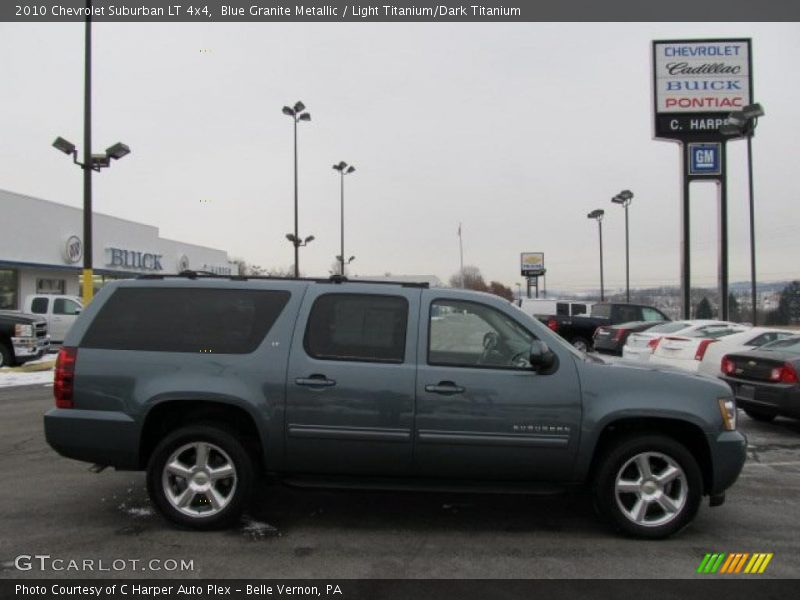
791	345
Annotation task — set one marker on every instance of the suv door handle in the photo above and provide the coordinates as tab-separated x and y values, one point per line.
315	380
445	387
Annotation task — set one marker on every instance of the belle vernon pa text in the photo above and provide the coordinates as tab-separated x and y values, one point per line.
176	591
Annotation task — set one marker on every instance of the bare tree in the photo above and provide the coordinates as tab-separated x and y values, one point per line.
473	280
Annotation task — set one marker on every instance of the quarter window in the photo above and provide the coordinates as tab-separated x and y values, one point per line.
218	321
358	327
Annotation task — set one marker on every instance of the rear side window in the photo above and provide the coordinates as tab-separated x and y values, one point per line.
222	321
39	306
358	327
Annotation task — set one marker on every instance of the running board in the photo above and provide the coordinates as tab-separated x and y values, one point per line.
422	485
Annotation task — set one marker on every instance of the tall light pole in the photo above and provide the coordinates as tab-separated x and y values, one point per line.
743	123
343	169
624	198
297	115
91	162
598	216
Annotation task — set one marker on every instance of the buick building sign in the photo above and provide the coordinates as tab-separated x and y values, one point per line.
131	259
697	83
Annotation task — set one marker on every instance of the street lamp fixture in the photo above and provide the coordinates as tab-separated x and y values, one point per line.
95	162
297	242
743	123
297	115
598	216
624	199
344	169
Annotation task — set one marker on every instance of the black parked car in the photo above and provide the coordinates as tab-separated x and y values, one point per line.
765	381
609	339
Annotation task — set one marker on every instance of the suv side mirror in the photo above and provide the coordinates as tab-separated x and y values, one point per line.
541	357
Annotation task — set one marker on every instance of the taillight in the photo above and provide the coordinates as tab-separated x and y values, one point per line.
620	334
727	366
552	324
65	377
784	374
701	349
653	344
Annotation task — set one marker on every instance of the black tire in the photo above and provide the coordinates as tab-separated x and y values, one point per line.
6	356
224	447
760	416
582	344
655	448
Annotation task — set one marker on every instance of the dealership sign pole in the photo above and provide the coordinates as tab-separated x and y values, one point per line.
696	84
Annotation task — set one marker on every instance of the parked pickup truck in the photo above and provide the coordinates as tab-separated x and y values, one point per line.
22	338
59	311
579	331
208	383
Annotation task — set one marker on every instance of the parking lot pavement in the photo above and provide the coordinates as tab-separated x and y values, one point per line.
54	506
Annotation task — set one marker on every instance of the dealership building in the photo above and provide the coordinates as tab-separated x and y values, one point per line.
41	250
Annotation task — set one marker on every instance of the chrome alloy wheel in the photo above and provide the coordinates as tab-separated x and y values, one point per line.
199	479
651	489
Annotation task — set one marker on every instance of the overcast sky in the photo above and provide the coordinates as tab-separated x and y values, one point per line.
515	130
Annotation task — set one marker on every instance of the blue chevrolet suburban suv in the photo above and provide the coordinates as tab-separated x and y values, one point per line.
209	382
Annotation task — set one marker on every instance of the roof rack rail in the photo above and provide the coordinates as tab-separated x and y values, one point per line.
336	278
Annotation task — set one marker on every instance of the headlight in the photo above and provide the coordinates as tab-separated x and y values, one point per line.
23	330
728	409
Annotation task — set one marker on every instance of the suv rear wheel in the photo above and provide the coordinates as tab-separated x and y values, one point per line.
648	486
200	476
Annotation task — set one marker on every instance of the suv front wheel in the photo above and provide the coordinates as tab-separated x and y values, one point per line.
648	486
200	476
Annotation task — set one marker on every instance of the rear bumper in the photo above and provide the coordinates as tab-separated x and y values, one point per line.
728	454
607	346
689	365
637	354
777	399
95	436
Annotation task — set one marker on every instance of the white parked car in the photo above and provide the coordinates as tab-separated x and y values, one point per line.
686	350
750	339
640	345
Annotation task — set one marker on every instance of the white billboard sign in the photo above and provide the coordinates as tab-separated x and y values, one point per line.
532	263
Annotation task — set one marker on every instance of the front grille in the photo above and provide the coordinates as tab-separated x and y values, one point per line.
41	329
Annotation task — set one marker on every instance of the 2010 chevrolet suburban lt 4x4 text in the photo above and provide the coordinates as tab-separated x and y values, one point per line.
209	382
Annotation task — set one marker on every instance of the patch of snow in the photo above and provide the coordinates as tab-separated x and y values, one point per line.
258	529
9	378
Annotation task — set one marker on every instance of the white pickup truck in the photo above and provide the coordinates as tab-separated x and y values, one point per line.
59	311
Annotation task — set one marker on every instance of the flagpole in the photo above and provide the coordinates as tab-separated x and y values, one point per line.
461	251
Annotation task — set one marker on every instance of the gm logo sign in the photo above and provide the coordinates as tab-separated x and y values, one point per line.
705	159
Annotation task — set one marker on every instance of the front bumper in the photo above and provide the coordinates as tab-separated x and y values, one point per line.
728	454
29	347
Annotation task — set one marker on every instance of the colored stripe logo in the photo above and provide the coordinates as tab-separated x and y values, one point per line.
735	562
